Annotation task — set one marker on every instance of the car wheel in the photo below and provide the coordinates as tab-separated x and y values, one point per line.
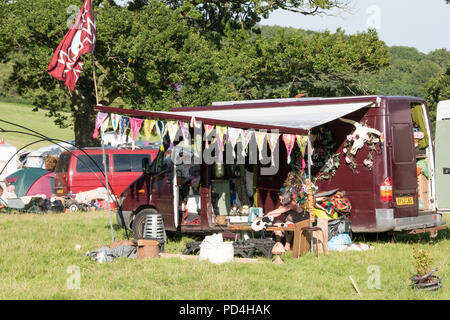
73	208
139	222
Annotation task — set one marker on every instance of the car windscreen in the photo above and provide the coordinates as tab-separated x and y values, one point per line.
129	162
91	163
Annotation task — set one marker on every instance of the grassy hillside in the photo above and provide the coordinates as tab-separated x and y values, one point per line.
24	115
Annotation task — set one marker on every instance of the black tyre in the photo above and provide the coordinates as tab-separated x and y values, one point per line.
139	221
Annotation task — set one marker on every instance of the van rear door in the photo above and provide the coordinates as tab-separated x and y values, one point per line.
442	149
404	177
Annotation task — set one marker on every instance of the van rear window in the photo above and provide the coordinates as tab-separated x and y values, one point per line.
63	163
129	162
88	163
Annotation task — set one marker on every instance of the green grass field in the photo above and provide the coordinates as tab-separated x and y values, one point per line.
22	114
37	254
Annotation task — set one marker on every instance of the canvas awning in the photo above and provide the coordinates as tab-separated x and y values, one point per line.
285	117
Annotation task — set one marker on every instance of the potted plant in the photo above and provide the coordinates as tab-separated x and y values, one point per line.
424	279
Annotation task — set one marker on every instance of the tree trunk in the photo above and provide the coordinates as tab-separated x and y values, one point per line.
84	122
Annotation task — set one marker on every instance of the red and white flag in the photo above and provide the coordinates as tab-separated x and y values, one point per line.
66	64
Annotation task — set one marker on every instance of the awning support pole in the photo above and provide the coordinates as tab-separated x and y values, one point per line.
309	177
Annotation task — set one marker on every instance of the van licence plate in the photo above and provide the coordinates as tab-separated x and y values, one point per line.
404	201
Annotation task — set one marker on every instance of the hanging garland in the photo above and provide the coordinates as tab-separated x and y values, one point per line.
331	160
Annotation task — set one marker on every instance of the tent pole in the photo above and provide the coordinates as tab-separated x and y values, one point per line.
107	185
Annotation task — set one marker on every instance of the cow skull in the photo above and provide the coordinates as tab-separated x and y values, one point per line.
360	135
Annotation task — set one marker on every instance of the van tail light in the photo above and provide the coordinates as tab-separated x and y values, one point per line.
386	190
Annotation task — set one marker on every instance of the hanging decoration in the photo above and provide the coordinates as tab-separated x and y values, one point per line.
161	129
148	128
289	142
208	129
260	138
101	117
184	126
135	124
123	125
246	136
302	142
105	125
115	120
233	135
221	132
172	129
272	141
355	141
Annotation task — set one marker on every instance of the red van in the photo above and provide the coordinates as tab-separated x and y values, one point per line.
387	195
78	171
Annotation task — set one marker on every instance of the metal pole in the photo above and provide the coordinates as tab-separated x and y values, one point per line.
103	154
309	177
107	186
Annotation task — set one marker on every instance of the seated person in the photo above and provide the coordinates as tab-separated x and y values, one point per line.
289	211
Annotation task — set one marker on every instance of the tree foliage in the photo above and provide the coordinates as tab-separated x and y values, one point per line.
162	54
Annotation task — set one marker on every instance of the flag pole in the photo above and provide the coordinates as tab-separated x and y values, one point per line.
103	154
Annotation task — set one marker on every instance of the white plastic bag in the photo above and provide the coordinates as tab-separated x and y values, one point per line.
215	250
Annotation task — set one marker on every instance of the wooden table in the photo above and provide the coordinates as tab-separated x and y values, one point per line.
297	250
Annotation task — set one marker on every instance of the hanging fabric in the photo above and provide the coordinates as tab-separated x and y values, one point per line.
208	129
302	142
115	120
161	129
135	124
289	141
233	134
246	136
172	128
101	116
105	124
124	122
184	126
260	138
272	141
221	133
148	128
197	137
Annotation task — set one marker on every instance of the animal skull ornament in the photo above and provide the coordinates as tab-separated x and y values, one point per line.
360	135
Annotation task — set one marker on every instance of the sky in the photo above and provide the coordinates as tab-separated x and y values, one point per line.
424	25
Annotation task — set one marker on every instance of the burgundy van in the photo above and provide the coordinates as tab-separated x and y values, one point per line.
386	195
79	171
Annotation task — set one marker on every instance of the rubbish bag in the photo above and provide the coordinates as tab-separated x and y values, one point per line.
107	254
214	249
338	226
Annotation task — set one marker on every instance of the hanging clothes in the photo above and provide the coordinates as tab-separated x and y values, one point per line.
101	116
289	141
